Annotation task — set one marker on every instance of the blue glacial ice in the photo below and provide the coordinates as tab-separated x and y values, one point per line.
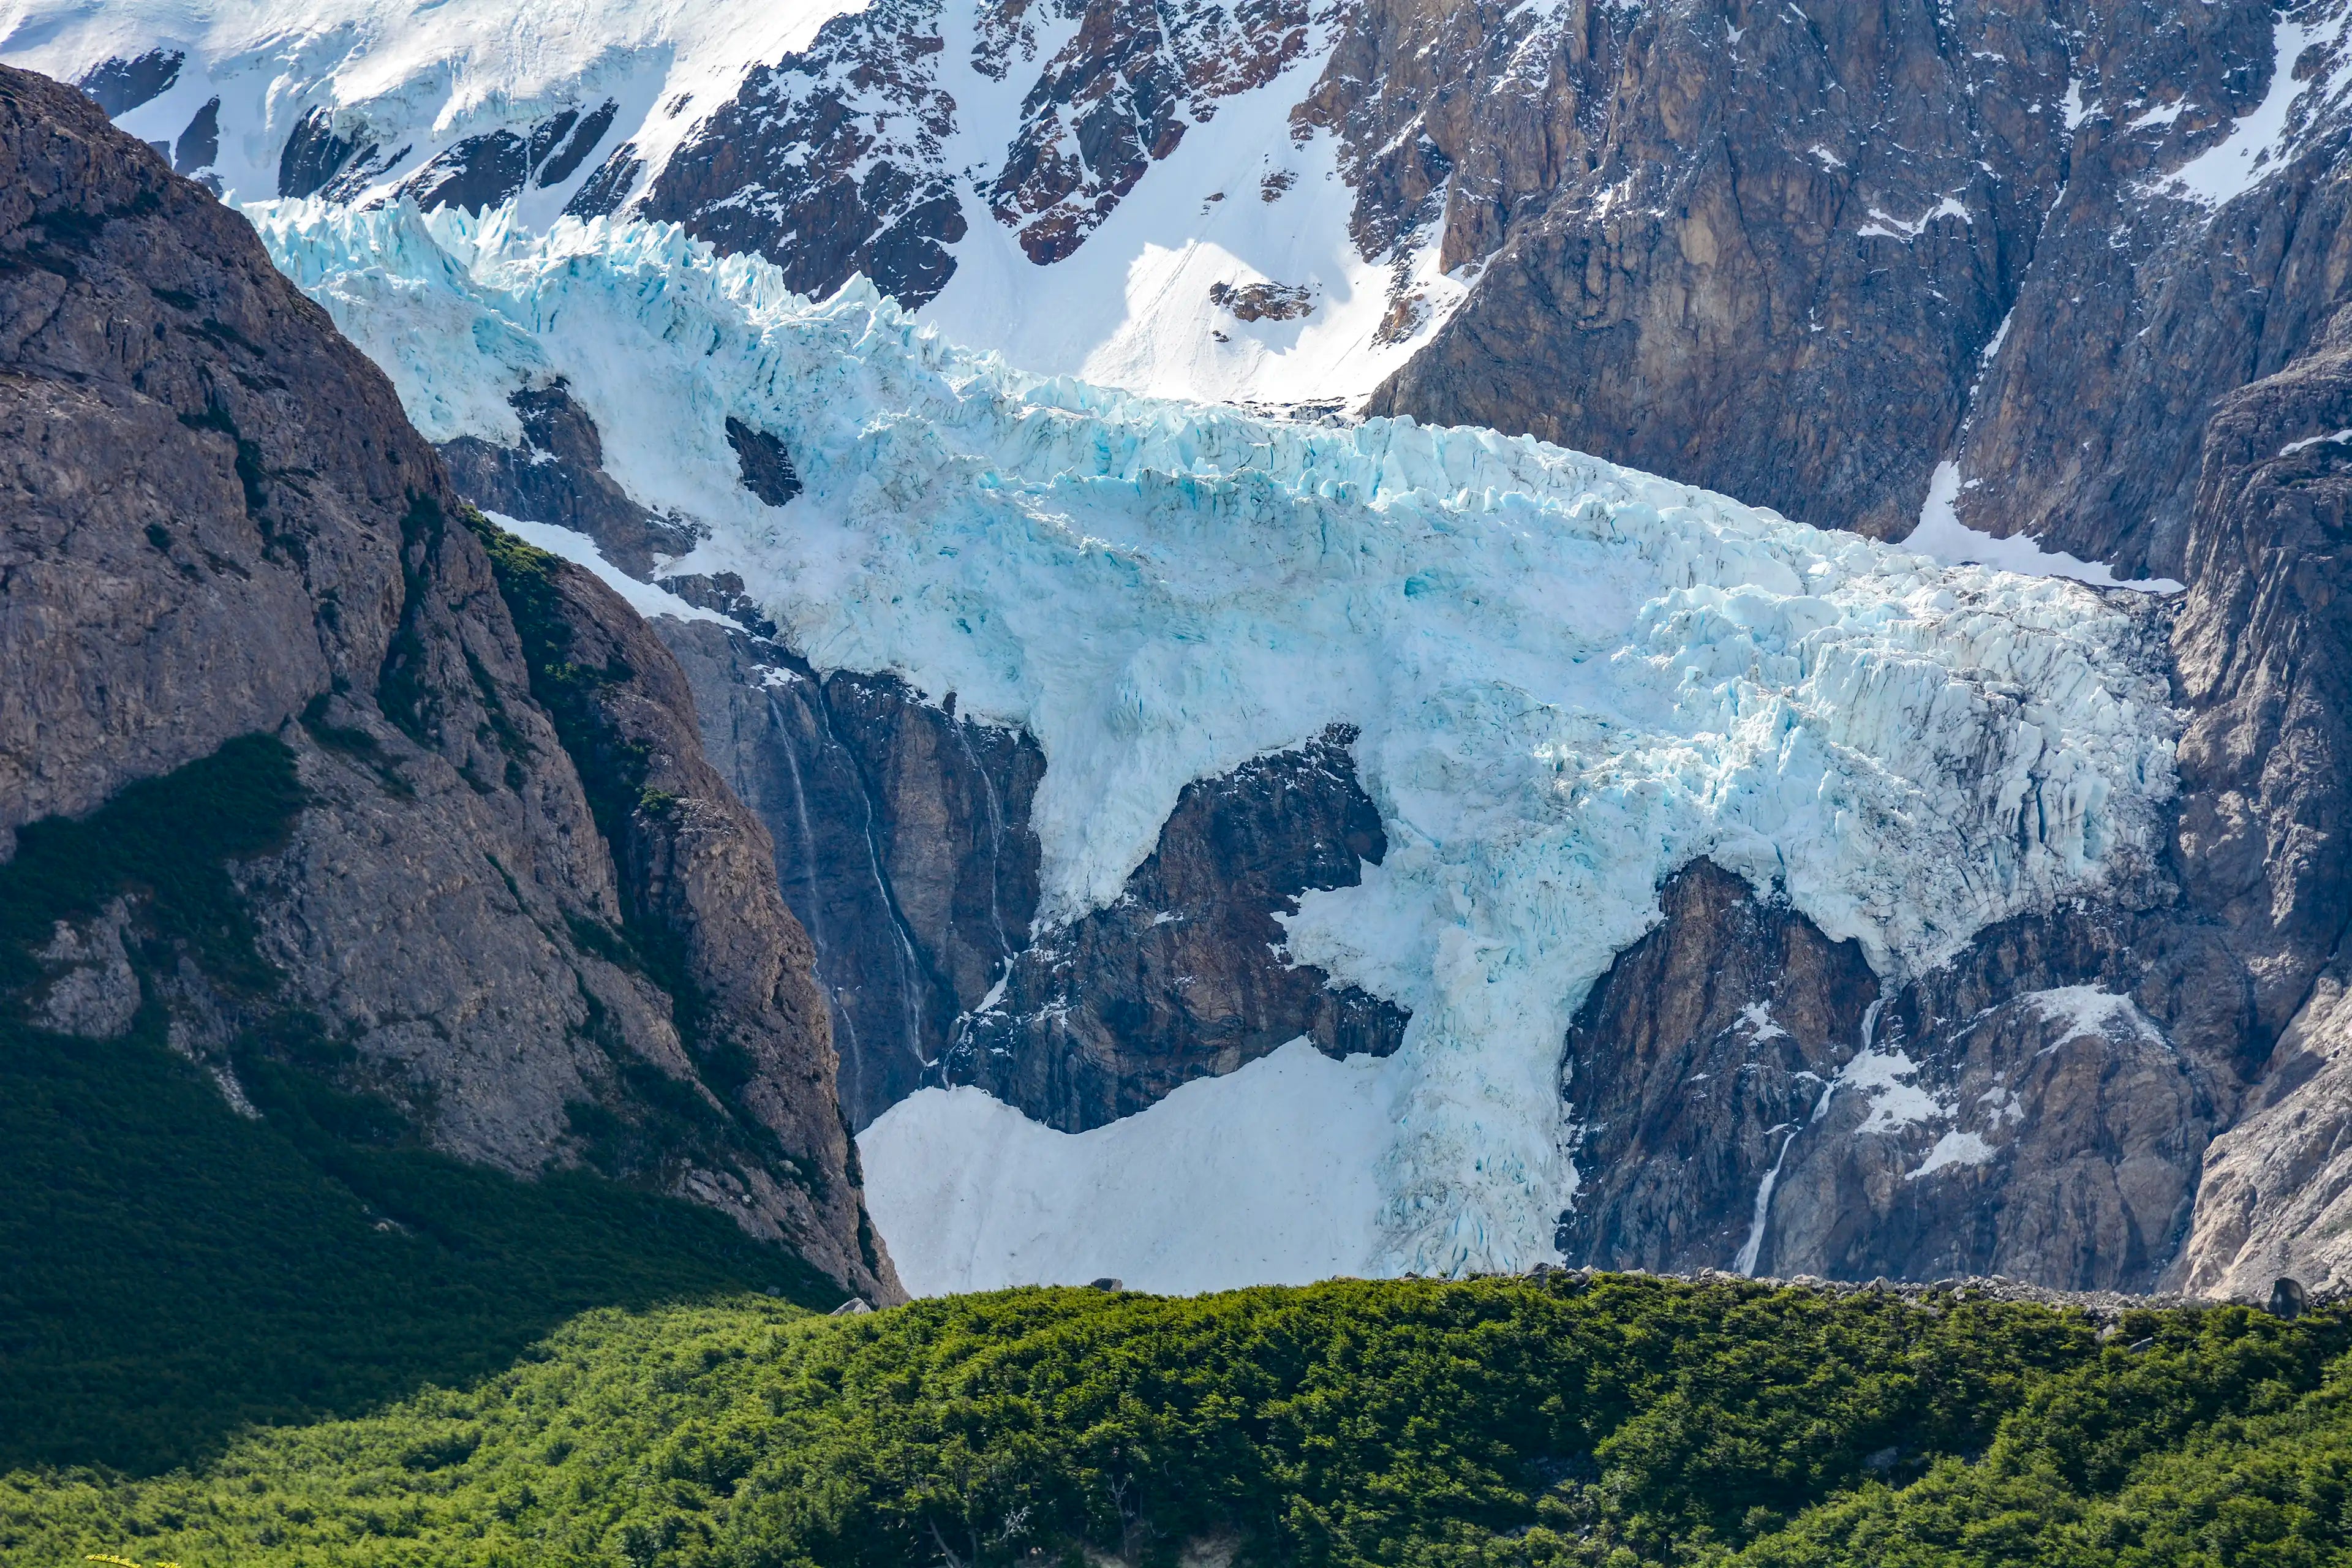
1570	678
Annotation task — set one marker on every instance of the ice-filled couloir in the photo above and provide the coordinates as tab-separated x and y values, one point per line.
1568	680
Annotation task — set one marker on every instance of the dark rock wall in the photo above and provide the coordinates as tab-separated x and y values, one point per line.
1183	976
1691	1066
903	841
1770	250
901	838
218	522
2264	651
1751	1098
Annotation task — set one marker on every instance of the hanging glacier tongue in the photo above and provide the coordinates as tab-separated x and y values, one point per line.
1568	680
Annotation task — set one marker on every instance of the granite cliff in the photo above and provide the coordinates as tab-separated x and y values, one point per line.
506	901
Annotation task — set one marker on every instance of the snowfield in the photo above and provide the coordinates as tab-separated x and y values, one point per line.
1569	679
1133	308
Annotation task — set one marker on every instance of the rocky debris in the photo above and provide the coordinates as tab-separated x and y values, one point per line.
217	523
557	476
1184	977
2107	1308
119	84
1263	301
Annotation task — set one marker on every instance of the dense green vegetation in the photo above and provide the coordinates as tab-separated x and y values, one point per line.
171	1270
1615	1423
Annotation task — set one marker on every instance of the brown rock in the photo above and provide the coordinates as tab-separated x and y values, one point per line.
217	521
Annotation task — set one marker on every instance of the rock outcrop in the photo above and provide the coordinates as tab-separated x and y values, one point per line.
1751	1098
2264	651
1184	975
514	906
903	843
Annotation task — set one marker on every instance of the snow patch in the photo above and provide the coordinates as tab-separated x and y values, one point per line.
1952	1149
1758	1017
1888	227
2087	1010
2260	143
2076	111
644	597
1942	535
1262	1176
1895	1103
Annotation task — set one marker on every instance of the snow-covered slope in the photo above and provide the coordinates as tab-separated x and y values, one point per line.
412	80
1232	274
1569	678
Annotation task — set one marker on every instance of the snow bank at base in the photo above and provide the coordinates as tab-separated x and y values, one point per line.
1262	1177
1941	534
1570	678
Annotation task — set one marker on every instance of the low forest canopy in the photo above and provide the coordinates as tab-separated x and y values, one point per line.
1607	1420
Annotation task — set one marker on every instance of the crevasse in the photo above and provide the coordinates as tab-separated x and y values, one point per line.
1570	678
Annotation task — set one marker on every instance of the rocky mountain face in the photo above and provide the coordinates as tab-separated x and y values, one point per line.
1968	227
2103	1096
2077	272
509	903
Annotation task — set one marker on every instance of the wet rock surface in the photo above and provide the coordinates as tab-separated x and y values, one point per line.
217	523
903	841
1692	1065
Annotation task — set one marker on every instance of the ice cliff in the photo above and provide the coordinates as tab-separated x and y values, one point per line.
1569	678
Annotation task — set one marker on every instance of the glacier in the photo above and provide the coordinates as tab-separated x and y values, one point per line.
1568	680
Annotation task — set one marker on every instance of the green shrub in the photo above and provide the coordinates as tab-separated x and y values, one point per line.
1493	1422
